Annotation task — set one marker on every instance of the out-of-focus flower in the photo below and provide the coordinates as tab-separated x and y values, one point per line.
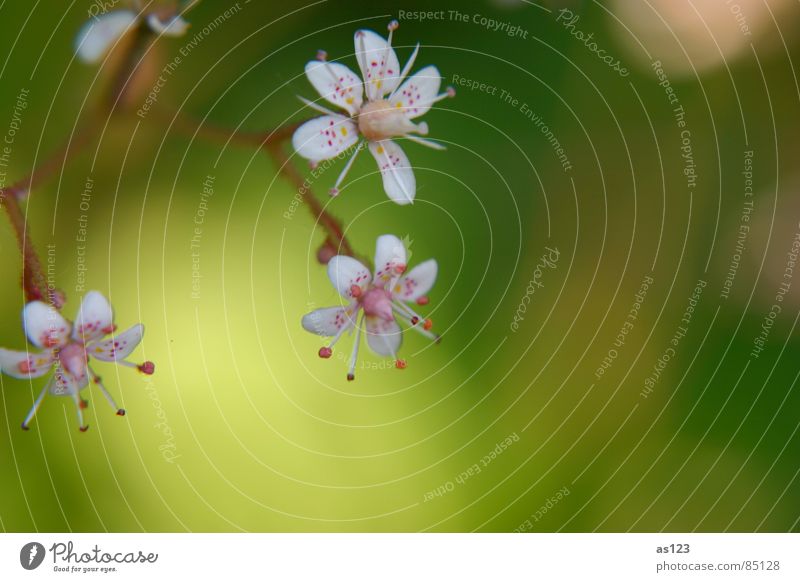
690	36
392	103
375	302
68	349
99	34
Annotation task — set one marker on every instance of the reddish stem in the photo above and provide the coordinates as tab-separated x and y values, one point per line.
332	226
34	283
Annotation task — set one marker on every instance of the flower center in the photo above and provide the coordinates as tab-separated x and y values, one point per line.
72	358
379	120
377	302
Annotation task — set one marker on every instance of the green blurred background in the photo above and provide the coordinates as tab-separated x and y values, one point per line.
243	427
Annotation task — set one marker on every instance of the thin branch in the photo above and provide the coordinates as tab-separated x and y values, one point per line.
324	219
272	142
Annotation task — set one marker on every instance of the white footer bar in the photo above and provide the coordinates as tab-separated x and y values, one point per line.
406	557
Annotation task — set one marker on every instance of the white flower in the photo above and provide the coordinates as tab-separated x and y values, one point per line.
391	105
68	354
379	300
100	33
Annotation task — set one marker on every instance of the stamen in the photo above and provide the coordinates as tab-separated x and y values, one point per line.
322	55
351	374
147	368
325	352
423	300
98	381
409	313
414	320
393	25
76	399
400	364
356	291
406	71
35	406
335	190
425	142
427	325
319	109
448	94
419	329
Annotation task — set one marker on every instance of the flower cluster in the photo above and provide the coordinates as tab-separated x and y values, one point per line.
68	349
380	105
375	302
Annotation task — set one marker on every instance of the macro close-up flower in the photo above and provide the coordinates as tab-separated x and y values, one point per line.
375	302
68	348
379	105
101	32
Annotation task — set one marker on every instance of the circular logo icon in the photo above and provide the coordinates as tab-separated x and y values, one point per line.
31	555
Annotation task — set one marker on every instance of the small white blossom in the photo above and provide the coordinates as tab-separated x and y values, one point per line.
378	106
375	302
68	350
100	33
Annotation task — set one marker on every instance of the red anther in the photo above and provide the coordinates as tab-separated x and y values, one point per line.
400	364
393	25
414	320
147	368
109	329
423	300
322	55
351	377
84	428
400	269
24	367
84	404
427	325
334	192
356	291
25	426
121	412
451	91
325	352
50	341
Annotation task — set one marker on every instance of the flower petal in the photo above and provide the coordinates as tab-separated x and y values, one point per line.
25	364
118	347
329	321
345	273
380	68
95	318
398	177
383	337
44	326
390	257
337	84
417	282
175	26
418	93
324	137
98	35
